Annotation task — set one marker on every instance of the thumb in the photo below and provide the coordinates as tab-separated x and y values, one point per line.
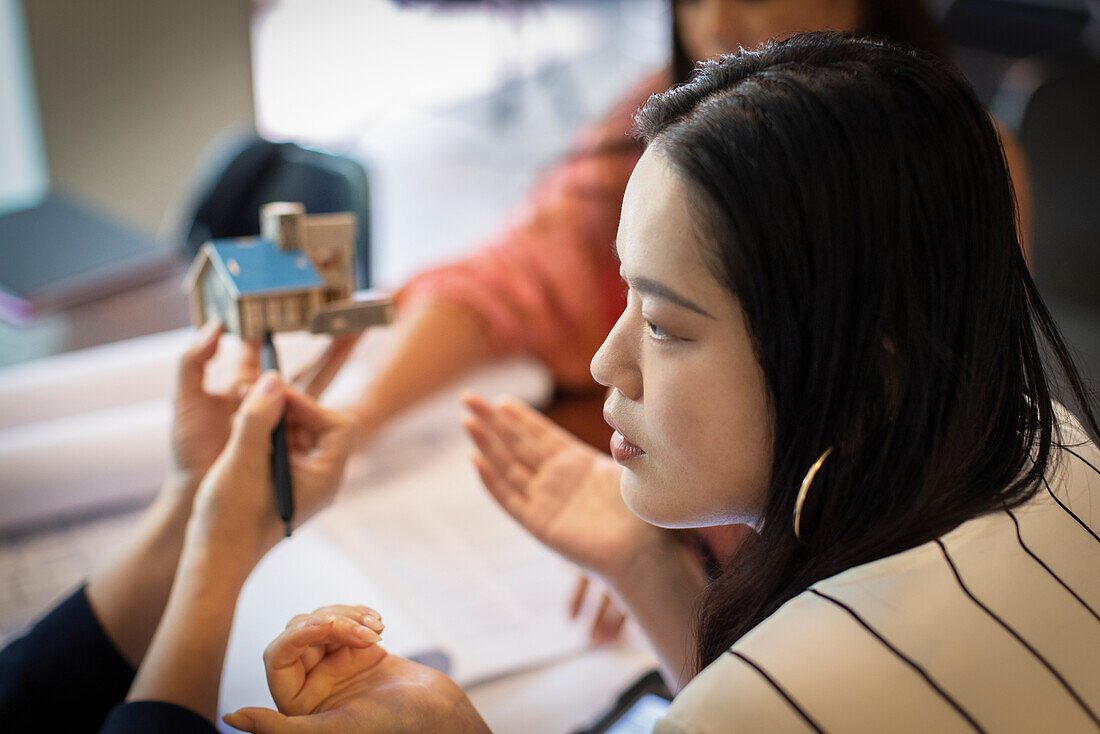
266	721
260	411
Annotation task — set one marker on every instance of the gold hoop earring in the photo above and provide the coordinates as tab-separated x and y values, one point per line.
805	489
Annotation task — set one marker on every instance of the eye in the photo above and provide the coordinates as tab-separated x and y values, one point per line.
657	332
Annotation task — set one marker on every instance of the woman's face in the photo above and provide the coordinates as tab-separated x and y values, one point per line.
689	402
712	27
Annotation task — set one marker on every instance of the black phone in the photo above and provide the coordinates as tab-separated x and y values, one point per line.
637	709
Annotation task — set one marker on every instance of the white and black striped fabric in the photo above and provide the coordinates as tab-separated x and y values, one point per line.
994	627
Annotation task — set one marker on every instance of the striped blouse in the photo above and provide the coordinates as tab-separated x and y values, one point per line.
993	627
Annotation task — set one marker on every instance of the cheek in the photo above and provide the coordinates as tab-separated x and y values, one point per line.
712	450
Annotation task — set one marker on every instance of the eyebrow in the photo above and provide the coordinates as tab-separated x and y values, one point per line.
651	287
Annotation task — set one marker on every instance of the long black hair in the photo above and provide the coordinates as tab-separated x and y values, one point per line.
856	202
900	21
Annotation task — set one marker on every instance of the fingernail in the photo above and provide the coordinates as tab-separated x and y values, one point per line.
366	634
269	383
240	721
375	623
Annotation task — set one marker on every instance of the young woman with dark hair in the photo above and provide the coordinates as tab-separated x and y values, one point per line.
547	285
831	340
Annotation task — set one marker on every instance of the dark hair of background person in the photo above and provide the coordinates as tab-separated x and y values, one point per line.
868	231
899	21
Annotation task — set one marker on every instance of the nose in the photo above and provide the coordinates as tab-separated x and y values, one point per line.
615	364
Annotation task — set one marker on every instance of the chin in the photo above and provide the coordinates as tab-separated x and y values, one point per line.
652	504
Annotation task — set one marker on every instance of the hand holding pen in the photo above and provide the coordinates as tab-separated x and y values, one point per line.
234	504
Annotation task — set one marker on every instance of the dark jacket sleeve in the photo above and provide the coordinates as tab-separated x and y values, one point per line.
63	675
66	675
155	716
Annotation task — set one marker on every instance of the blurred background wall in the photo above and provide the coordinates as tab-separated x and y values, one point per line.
130	92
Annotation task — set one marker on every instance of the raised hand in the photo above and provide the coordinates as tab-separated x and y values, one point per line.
201	419
559	488
327	675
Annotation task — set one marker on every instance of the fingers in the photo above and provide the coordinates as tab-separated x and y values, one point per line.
497	455
579	592
507	430
507	495
490	416
609	620
307	640
193	364
528	436
260	412
266	721
313	428
363	614
304	411
547	436
326	628
315	377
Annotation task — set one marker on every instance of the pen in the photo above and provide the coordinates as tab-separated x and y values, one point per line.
280	458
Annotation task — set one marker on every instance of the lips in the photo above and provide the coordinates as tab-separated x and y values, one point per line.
622	449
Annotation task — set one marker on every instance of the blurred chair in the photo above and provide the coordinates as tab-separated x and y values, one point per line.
1039	62
250	171
1060	132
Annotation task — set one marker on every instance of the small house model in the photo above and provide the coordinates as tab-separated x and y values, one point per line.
299	273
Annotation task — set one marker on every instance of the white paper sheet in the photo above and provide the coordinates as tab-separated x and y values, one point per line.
429	549
69	466
89	430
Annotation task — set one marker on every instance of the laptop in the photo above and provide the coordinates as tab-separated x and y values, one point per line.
61	252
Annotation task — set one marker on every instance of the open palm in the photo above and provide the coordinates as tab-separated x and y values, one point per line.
563	491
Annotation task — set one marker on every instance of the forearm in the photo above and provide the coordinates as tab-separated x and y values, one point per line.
435	343
660	590
129	592
184	662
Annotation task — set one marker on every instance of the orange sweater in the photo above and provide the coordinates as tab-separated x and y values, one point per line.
548	284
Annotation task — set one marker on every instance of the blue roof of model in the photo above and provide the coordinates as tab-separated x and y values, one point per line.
260	267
